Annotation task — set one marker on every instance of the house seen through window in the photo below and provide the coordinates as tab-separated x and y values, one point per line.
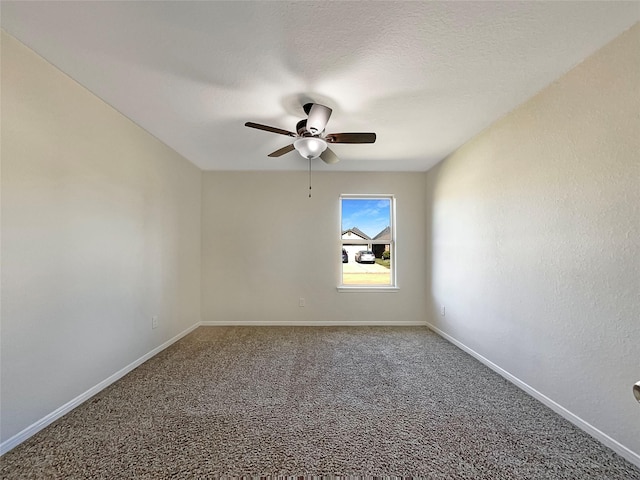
367	240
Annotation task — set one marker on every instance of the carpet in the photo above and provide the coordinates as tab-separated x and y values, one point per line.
334	402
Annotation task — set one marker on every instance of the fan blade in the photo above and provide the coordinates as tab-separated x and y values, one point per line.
267	128
351	138
329	157
318	118
281	151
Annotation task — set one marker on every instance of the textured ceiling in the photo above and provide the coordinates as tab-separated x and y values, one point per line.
425	76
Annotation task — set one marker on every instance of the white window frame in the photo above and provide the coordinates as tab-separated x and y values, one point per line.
393	287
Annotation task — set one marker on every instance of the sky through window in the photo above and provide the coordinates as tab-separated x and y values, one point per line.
371	216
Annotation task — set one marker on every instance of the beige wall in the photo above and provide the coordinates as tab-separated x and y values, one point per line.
100	231
265	244
534	249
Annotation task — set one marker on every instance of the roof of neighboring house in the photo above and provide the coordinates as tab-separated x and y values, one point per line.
358	232
384	234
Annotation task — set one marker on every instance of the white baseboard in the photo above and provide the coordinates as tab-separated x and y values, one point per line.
323	323
614	445
35	427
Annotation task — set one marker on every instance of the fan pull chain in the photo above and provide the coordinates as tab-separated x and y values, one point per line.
309	178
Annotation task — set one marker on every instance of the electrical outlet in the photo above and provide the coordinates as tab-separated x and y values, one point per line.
154	321
302	302
442	311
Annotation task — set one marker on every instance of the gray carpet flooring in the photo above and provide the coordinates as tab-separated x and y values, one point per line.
304	401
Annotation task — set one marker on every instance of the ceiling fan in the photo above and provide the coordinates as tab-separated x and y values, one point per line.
311	141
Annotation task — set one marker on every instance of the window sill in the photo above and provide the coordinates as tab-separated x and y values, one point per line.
366	289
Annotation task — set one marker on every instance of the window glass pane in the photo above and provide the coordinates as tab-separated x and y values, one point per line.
370	216
366	241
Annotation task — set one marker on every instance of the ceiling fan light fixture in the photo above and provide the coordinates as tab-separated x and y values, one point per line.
310	147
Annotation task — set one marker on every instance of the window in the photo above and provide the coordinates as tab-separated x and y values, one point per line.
367	240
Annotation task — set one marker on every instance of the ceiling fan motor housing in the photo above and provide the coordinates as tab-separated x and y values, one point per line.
301	128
